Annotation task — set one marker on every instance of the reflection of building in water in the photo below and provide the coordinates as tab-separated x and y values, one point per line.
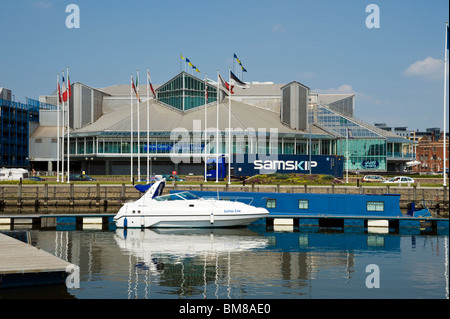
217	263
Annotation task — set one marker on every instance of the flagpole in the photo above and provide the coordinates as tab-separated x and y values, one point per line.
148	126
206	102
229	127
445	104
58	128
234	67
347	158
62	137
68	127
138	128
217	130
131	128
310	140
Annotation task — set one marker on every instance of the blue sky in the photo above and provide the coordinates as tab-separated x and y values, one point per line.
396	71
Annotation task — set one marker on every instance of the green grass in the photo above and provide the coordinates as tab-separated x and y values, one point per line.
263	179
292	179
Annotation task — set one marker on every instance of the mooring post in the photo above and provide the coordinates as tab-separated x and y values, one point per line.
19	193
445	197
105	202
45	195
122	195
71	201
97	195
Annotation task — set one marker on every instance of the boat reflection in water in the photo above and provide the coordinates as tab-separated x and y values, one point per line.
186	261
187	243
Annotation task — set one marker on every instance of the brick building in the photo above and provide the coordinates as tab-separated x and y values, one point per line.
430	152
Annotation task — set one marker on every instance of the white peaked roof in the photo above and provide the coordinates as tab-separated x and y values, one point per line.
165	118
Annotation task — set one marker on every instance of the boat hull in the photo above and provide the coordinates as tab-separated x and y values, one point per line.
185	222
188	214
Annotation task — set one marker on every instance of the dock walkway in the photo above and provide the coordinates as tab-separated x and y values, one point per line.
24	265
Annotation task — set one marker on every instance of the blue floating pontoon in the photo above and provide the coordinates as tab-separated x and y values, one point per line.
315	204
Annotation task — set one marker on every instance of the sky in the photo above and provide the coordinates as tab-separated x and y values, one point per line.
396	71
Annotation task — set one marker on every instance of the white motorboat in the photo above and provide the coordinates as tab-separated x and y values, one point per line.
184	209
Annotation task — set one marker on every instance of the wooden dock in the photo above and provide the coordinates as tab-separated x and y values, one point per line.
24	265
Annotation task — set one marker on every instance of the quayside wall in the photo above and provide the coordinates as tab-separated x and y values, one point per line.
37	196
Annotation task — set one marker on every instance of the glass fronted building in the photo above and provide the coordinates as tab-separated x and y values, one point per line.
365	147
103	143
185	92
15	119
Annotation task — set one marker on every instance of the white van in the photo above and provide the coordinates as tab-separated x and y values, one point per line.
13	174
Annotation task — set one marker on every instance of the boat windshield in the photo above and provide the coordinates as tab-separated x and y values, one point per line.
177	196
187	195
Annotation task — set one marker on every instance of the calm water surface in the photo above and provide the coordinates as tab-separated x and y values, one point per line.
246	263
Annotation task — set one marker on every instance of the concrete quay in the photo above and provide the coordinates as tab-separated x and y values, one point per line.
102	196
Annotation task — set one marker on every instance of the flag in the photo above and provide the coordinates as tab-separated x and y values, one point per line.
64	89
133	86
235	56
226	85
212	82
137	89
59	93
70	89
206	91
190	64
182	57
349	133
150	82
240	63
234	80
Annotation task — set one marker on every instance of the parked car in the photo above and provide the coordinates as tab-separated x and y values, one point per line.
175	178
373	178
400	179
80	177
36	178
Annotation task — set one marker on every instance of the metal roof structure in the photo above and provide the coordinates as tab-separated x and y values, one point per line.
164	118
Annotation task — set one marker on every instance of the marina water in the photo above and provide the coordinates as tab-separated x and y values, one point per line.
246	263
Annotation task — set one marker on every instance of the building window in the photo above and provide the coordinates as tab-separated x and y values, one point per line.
375	206
303	204
271	203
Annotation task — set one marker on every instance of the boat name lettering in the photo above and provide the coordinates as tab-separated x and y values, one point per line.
231	210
